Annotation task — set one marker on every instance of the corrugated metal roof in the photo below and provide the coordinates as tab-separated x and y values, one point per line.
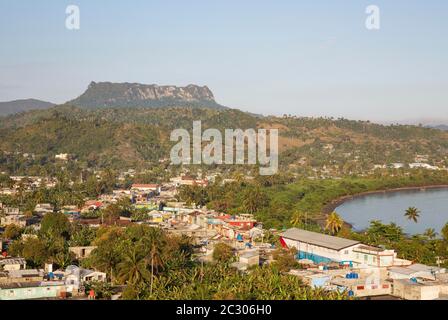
11	261
318	239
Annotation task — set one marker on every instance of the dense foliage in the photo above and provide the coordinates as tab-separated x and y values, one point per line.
139	137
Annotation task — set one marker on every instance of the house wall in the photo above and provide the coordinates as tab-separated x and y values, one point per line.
6	280
11	267
34	292
252	261
386	261
415	292
97	276
342	255
7	220
82	252
373	259
372	290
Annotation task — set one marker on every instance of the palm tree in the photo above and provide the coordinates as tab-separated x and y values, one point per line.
334	223
297	218
412	213
430	233
133	268
155	260
254	199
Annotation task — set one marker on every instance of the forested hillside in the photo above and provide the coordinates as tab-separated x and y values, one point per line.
129	137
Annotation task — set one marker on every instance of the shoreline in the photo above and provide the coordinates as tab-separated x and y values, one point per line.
330	207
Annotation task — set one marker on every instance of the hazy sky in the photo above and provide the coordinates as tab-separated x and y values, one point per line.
308	58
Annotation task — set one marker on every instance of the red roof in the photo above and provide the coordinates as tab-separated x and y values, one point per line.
93	203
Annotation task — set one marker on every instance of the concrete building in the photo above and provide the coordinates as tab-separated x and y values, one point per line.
372	256
35	290
11	264
62	156
82	252
20	276
317	247
43	208
77	276
146	188
250	258
419	289
322	248
415	271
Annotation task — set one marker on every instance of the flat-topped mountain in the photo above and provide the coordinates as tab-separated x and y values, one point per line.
16	106
120	95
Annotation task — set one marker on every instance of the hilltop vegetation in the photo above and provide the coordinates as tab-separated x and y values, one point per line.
137	137
16	106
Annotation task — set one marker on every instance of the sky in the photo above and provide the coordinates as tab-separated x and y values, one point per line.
305	58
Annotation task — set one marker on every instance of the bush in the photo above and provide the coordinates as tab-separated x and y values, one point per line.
222	252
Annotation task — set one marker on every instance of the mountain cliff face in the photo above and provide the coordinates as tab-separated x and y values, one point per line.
16	106
116	95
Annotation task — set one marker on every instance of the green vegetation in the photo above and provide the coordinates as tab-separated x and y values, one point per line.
223	283
51	242
222	252
412	214
321	161
138	137
155	265
285	259
279	204
419	248
13	232
334	223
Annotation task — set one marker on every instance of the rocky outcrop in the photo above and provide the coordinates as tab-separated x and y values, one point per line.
107	94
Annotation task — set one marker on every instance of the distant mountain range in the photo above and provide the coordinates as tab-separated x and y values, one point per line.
443	127
122	95
16	106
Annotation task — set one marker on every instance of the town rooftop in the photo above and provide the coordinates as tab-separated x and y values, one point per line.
318	239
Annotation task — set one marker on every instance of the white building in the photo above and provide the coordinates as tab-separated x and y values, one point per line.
62	156
319	247
416	270
146	188
77	276
13	264
322	248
